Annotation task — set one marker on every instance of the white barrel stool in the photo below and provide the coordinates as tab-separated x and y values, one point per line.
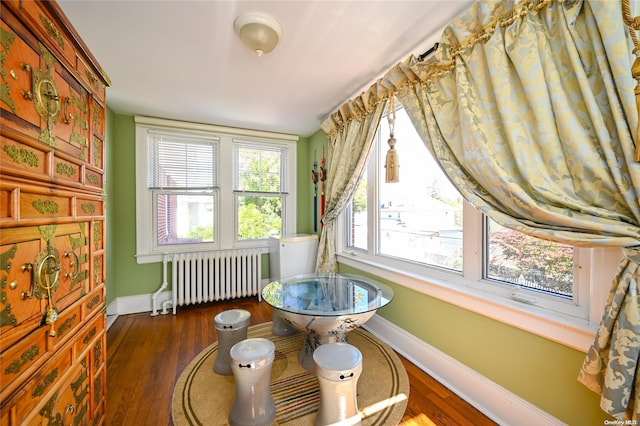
338	366
251	362
231	327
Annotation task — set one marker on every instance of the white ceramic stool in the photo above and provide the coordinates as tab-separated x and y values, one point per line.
338	367
251	362
231	327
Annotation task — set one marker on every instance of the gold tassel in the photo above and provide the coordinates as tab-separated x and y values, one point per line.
635	72
633	22
392	165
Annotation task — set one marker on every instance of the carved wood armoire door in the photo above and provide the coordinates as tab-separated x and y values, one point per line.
52	220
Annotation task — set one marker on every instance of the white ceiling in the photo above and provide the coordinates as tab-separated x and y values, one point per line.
182	60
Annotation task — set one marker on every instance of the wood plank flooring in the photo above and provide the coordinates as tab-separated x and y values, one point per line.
146	355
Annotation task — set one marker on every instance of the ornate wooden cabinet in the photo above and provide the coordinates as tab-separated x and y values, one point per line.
52	227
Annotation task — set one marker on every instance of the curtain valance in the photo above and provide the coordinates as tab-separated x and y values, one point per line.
529	109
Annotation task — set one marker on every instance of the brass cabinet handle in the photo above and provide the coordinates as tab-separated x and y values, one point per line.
28	94
28	267
66	115
73	263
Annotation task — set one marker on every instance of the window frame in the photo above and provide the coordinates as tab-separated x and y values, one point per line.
238	192
225	214
570	322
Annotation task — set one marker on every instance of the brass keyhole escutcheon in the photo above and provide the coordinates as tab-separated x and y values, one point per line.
47	98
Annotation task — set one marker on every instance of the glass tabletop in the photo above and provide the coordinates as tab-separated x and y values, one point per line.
327	294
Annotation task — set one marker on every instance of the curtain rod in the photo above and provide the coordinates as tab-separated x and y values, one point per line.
428	52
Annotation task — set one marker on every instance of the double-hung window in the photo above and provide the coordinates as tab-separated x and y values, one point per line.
201	187
260	186
420	232
183	183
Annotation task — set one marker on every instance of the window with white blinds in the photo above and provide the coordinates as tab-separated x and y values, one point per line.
180	162
202	187
260	167
260	185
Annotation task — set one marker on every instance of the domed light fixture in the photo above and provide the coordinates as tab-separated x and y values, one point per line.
259	32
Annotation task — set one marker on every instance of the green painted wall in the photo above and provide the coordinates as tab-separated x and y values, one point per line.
108	185
125	276
304	219
124	273
536	369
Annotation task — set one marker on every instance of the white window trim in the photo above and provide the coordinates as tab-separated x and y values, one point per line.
570	322
146	250
577	333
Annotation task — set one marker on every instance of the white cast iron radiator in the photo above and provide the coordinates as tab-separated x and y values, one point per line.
210	276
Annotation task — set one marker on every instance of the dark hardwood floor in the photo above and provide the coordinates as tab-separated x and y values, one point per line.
147	354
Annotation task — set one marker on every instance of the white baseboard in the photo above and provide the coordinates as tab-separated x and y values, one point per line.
496	402
138	303
132	305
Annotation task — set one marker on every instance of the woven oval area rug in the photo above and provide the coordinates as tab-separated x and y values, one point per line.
202	397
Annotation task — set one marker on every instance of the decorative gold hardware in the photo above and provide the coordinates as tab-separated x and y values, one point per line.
47	231
92	178
5	258
88	208
92	79
48	272
78	242
28	267
48	380
47	99
65	169
44	94
97	152
66	115
52	30
97	235
28	94
13	285
66	325
72	264
69	409
22	155
7	39
87	339
45	206
25	358
94	302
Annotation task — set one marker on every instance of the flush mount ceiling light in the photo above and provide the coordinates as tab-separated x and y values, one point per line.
258	31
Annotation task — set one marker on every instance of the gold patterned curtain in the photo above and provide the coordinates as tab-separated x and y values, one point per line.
351	130
529	108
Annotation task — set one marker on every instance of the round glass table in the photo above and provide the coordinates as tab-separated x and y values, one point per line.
325	306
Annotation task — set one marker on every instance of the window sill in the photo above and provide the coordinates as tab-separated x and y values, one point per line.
158	257
566	330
